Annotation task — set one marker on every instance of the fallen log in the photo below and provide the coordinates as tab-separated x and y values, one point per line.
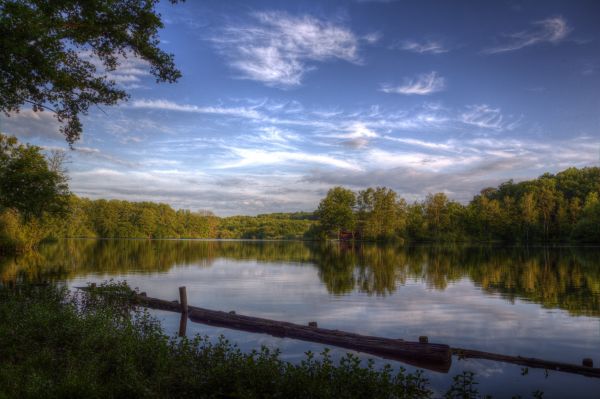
436	357
528	362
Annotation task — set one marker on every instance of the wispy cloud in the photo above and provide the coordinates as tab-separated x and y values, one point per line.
485	117
130	72
278	49
355	135
423	47
103	156
422	143
423	84
166	105
551	30
251	157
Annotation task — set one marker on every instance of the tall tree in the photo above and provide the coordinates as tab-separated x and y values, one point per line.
29	183
380	214
336	210
51	50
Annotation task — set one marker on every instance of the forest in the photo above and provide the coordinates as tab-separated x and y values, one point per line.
36	205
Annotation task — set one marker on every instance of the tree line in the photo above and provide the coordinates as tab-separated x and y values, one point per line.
36	204
552	208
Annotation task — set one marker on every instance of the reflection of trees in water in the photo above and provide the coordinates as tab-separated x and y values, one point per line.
566	278
70	258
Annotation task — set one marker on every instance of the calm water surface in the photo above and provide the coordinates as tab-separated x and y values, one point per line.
538	302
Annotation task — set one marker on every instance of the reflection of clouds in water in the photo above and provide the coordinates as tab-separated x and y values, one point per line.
458	315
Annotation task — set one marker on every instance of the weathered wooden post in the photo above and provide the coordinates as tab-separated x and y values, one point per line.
183	300
184	311
183	324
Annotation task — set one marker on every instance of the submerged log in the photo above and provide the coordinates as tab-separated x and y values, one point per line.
528	362
436	357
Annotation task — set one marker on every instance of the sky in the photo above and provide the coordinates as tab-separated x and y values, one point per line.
280	101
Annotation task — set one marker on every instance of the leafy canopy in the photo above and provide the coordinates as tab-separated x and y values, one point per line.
336	210
30	183
51	51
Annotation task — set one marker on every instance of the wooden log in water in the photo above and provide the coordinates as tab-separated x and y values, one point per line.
436	357
528	362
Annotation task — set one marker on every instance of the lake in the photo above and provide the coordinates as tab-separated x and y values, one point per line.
531	301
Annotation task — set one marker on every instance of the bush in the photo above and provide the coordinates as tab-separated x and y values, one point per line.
56	344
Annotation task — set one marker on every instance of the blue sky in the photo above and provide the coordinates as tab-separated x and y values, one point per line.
279	101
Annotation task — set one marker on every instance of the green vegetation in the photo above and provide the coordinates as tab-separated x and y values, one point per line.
33	190
57	55
54	345
35	204
551	208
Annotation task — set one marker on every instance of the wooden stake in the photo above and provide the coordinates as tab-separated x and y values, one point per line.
183	324
183	300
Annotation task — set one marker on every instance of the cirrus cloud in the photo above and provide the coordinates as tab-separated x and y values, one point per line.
423	84
550	30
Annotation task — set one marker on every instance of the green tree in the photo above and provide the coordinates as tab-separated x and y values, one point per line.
32	190
29	183
529	213
51	49
588	228
336	211
380	214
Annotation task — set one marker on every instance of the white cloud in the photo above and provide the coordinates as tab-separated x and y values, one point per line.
280	48
485	117
423	84
129	73
102	156
28	123
222	193
243	112
421	143
425	47
551	30
355	135
383	159
250	157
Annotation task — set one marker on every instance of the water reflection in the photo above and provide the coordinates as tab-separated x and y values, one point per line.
555	277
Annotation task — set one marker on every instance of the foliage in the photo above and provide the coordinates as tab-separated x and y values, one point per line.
33	189
336	211
28	182
380	214
35	204
51	50
266	226
54	344
559	207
